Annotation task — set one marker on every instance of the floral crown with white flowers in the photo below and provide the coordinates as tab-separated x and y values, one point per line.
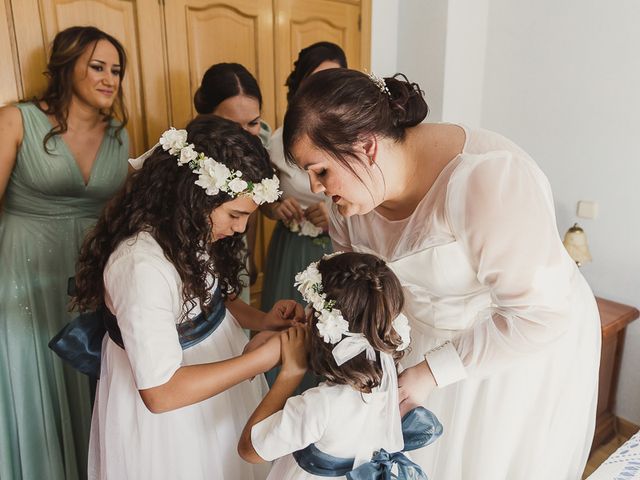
214	176
332	326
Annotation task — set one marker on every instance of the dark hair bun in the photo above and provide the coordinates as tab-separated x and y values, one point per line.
203	104
222	81
407	102
310	58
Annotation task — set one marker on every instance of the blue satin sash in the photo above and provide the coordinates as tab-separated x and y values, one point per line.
79	343
420	427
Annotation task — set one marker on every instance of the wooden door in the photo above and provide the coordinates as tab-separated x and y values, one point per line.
135	23
10	84
201	33
303	22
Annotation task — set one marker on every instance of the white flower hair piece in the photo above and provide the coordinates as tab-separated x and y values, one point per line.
402	328
380	83
331	325
214	176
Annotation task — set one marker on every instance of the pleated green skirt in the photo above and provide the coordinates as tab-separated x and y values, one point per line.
288	254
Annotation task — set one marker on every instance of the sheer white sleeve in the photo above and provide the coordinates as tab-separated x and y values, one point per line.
500	208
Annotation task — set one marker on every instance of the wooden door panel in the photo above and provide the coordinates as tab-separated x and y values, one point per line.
306	33
10	85
205	32
206	28
119	18
303	22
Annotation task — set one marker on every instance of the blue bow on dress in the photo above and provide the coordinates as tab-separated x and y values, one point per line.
420	427
380	465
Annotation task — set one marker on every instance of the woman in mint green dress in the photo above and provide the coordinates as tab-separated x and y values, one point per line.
62	156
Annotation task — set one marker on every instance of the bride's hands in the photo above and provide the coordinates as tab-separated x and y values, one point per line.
414	386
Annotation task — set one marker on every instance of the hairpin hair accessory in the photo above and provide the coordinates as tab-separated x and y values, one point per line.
380	83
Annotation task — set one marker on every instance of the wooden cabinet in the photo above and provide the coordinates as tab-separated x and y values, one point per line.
37	22
171	43
303	22
205	32
614	318
9	81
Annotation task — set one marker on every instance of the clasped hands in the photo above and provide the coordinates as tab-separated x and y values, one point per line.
284	315
289	209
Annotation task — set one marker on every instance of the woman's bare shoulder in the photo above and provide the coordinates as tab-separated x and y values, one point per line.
11	124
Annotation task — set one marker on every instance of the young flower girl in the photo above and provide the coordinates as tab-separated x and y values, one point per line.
350	425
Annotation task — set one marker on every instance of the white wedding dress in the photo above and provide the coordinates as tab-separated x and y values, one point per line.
492	296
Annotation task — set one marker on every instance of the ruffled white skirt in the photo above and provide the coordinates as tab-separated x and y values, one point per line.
197	442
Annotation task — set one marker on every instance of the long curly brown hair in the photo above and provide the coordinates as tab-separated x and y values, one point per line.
369	296
161	198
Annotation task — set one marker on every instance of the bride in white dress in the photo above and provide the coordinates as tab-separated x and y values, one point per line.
174	390
506	335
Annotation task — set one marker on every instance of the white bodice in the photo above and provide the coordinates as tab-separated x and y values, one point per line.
454	255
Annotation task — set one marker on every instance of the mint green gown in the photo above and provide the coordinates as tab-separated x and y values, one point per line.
45	407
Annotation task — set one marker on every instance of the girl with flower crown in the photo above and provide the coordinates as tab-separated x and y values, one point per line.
350	425
163	264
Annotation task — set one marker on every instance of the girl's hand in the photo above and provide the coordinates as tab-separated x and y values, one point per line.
414	386
284	314
267	344
258	340
293	345
318	215
287	209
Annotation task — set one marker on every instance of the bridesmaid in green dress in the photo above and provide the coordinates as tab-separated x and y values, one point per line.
62	156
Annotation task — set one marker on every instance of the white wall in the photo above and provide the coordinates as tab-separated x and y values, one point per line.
384	37
465	61
441	46
422	33
562	79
